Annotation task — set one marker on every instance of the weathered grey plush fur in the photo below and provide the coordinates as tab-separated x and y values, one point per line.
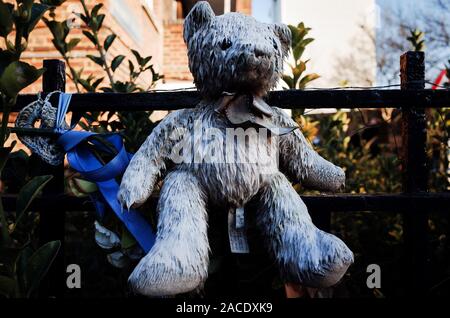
237	54
234	52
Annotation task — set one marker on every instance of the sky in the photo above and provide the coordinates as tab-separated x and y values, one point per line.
408	9
404	5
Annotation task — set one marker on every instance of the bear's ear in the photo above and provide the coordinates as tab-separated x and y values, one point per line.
200	15
284	34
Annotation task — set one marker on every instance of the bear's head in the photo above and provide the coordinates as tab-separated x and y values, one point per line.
233	52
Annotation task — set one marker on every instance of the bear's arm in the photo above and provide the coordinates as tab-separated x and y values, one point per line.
149	163
300	162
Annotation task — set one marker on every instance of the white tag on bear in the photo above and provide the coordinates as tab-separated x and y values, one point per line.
240	220
238	237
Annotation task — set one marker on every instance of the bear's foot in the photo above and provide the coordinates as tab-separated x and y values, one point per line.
162	273
305	254
178	262
313	258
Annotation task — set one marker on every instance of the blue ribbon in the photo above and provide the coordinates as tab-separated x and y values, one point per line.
81	159
63	106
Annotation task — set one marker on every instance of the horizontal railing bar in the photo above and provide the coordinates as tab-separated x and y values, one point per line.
431	202
426	202
34	131
345	98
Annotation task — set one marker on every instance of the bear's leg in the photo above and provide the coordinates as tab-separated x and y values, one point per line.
304	254
178	262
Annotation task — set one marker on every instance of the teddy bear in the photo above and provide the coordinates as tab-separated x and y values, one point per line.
235	60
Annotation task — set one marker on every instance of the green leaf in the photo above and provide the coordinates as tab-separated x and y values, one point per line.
72	44
82	187
299	42
96	59
21	266
156	76
131	67
298	71
127	240
138	56
100	19
146	60
308	78
25	4
307	41
84	18
116	62
97	82
295	35
37	11
109	41
4	155
6	18
17	76
288	80
57	29
90	36
10	46
6	58
297	52
28	193
39	264
95	9
86	86
7	286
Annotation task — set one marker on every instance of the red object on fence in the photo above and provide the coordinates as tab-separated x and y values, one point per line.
438	79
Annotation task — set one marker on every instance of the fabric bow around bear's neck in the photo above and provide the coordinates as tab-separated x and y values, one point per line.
241	109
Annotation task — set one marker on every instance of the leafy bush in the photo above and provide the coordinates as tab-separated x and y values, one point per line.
23	263
297	80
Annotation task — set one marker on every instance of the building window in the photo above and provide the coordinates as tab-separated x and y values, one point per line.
219	6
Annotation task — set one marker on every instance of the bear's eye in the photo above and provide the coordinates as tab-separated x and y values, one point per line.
225	44
275	45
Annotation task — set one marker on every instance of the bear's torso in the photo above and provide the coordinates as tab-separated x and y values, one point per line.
232	163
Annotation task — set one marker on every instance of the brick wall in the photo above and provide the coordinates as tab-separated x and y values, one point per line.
148	23
244	6
175	53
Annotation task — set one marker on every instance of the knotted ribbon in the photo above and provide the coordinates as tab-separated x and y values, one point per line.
81	159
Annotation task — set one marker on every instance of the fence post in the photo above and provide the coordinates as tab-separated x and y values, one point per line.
321	219
415	174
52	220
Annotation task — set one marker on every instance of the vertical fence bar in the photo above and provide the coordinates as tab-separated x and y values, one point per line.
52	221
321	219
415	173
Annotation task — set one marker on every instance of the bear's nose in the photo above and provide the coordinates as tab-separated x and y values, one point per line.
260	52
